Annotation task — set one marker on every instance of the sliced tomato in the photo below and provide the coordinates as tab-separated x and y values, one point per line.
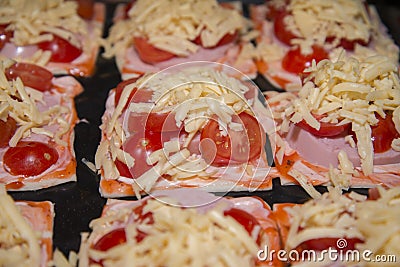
281	31
246	219
273	11
321	244
226	39
149	53
29	158
348	44
136	96
140	145
383	134
85	8
61	50
238	146
153	122
5	36
31	75
295	62
8	129
128	6
326	129
111	239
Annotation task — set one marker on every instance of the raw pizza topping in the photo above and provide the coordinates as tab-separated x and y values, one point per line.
24	237
50	33
162	232
180	125
347	107
37	112
346	222
296	32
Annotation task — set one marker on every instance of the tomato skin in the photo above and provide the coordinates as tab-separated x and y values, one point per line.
8	129
226	39
85	8
136	96
111	239
326	129
281	32
154	122
29	158
273	11
61	50
31	75
321	244
149	53
140	145
383	134
246	219
295	62
245	145
5	36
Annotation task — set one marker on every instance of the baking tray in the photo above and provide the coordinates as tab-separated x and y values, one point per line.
77	203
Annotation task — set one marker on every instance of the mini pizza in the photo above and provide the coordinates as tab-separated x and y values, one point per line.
190	127
37	119
342	127
195	31
182	227
347	224
62	36
26	232
293	33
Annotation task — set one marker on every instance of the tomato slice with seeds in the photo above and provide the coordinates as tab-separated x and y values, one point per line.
29	158
31	75
238	146
148	53
140	145
61	50
8	129
295	62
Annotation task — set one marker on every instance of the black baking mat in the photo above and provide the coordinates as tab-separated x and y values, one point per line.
76	204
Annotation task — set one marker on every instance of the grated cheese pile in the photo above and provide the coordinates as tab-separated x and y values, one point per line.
348	91
316	21
21	103
178	237
194	95
374	222
19	244
35	21
173	25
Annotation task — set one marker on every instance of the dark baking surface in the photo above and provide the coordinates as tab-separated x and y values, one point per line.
76	204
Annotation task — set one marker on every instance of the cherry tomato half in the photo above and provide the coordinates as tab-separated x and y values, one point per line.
136	96
383	134
85	8
31	75
111	239
246	219
61	50
295	62
140	145
149	53
153	122
239	146
8	129
29	158
326	129
281	32
226	39
5	36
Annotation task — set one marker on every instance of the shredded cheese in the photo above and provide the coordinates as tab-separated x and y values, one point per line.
174	25
348	91
19	244
28	108
175	237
